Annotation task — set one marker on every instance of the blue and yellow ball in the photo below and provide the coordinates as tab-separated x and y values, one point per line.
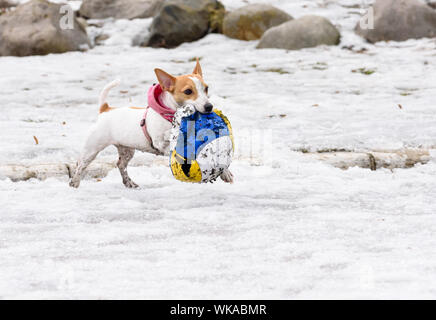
204	147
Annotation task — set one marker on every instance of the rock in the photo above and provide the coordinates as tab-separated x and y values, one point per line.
82	22
5	4
119	9
390	159
431	3
34	28
180	21
41	171
251	21
216	17
17	172
399	20
306	32
99	40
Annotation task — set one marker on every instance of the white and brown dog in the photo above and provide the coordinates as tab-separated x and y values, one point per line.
145	129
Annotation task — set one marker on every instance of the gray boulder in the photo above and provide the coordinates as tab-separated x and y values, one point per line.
119	9
5	4
34	28
431	3
306	32
251	21
399	20
180	21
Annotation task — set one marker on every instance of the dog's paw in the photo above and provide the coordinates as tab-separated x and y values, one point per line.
130	184
227	176
74	183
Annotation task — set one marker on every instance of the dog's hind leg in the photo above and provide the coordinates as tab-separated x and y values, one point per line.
125	155
94	144
84	161
82	164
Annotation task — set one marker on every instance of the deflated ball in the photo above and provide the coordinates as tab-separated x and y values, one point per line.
201	145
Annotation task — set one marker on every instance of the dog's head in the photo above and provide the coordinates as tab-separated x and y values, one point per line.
186	89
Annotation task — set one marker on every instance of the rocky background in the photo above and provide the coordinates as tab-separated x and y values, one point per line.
32	28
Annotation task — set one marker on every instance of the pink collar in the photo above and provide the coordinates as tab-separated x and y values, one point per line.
155	102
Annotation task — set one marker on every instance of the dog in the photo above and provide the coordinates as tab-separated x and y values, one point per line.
145	129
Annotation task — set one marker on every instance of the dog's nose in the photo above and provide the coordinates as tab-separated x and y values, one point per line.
208	107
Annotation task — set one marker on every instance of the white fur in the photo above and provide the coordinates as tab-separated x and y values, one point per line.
169	101
121	127
104	93
202	98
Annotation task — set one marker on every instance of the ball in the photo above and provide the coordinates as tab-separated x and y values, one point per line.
201	145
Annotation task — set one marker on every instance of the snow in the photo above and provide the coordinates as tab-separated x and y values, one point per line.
287	228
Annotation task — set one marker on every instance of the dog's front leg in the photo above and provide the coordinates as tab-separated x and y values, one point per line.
125	155
227	176
163	143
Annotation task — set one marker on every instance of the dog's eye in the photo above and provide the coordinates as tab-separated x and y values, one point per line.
206	90
187	92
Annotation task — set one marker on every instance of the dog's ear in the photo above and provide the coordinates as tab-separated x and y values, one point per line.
166	81
197	69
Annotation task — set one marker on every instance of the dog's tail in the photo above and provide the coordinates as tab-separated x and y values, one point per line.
104	93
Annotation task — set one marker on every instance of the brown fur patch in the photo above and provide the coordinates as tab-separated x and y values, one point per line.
183	83
105	108
197	69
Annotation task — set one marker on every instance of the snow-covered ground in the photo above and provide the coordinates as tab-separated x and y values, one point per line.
287	228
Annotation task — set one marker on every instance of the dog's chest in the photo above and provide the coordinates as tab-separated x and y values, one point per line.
159	129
